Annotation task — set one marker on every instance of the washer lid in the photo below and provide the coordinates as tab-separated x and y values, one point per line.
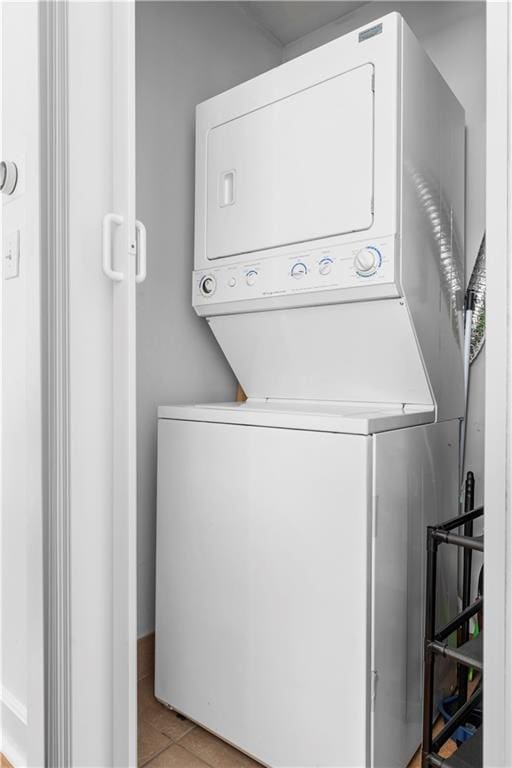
317	416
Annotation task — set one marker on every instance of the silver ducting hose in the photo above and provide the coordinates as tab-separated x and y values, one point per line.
474	335
445	242
444	235
477	287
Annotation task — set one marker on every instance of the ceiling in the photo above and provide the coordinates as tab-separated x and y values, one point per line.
290	20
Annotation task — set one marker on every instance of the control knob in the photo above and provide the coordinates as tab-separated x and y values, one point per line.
207	285
367	261
251	277
299	270
325	266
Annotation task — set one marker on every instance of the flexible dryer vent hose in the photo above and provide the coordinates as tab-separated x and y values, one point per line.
445	242
477	286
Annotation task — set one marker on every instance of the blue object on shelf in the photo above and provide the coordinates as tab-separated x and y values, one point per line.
463	732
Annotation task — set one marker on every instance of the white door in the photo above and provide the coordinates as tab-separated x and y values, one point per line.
102	434
124	249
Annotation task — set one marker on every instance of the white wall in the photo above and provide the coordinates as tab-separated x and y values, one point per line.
21	663
453	34
186	52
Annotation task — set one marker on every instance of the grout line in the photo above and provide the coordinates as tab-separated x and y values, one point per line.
192	726
163	733
190	752
155	754
175	744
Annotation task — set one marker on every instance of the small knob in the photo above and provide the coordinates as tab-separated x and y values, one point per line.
325	266
367	260
207	285
299	270
251	277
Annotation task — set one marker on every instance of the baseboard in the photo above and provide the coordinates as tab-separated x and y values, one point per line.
15	706
146	656
14	713
13	716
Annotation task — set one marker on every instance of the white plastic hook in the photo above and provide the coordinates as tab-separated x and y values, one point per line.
140	274
108	220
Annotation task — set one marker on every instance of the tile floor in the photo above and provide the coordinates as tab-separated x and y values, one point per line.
166	740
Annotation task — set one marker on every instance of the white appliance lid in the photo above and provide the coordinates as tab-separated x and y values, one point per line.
316	416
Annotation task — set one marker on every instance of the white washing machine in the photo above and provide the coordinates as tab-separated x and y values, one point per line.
291	528
291	575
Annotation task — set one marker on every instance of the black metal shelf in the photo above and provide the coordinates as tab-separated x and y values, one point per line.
468	653
468	542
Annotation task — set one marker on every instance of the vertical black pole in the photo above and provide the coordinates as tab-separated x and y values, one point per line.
469	502
430	628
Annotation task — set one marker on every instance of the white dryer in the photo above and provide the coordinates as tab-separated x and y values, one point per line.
291	528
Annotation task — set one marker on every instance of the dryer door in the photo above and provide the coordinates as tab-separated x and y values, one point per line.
296	169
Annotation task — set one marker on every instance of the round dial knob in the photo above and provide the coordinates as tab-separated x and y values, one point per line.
207	285
299	270
367	260
325	266
251	277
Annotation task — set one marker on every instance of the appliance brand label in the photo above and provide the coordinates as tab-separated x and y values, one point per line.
371	32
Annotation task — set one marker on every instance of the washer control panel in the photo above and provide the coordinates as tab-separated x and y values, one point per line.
352	265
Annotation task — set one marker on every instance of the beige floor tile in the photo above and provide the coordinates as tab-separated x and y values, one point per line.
215	752
161	718
176	757
151	742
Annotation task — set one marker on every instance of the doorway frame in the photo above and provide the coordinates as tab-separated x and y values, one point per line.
498	398
55	366
498	390
74	203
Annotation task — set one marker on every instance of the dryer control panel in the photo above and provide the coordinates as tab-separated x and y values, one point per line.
354	265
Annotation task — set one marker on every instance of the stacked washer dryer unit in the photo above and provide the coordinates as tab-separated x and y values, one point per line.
291	528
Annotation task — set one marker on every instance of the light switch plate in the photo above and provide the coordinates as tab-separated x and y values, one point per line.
12	255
